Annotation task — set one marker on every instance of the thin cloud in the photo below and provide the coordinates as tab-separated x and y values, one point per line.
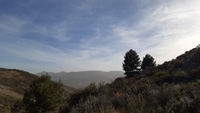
163	30
95	36
11	25
56	32
17	27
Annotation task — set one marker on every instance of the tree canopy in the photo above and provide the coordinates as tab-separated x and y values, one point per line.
131	63
43	96
148	61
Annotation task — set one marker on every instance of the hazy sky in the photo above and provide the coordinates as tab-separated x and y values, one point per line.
79	35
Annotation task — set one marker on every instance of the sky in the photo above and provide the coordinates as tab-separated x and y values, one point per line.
82	35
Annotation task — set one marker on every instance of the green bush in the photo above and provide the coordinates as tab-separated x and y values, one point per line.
18	107
43	96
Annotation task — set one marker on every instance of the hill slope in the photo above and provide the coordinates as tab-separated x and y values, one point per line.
13	84
173	87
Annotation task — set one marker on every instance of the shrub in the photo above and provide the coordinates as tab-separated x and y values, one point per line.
100	104
18	107
43	96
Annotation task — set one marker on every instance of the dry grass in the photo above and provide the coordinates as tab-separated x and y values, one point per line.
6	103
6	91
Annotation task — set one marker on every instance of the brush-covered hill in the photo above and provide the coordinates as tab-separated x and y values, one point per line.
13	84
173	87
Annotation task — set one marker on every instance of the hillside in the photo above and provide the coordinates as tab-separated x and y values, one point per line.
13	84
173	87
84	78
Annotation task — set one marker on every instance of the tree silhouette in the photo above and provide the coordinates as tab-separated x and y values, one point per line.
131	63
148	61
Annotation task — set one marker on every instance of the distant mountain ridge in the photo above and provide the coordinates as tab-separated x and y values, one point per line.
83	78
